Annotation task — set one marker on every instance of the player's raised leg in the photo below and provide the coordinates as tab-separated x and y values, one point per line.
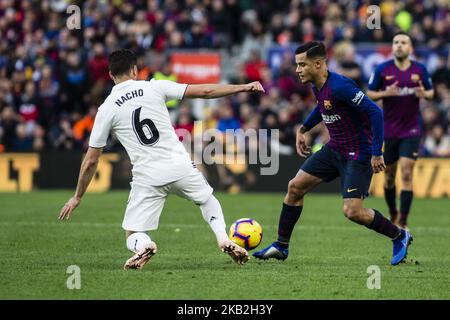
406	195
290	213
194	187
213	215
373	219
390	191
143	247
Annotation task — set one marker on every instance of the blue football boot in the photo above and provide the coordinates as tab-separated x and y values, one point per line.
401	245
273	251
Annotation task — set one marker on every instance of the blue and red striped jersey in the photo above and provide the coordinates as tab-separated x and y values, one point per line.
355	122
401	113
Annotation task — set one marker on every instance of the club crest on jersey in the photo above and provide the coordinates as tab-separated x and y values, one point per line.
415	77
327	104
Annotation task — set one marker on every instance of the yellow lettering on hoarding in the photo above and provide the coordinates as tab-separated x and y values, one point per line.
422	178
101	181
25	164
431	178
6	183
441	185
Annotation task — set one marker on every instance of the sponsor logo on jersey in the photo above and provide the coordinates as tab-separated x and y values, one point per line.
406	91
358	97
389	77
327	104
330	118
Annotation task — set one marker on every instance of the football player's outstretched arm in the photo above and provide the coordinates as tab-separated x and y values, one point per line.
210	91
87	171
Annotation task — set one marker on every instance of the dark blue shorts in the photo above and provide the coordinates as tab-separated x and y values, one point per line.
396	148
328	164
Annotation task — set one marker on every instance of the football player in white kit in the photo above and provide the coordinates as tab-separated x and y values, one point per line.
137	114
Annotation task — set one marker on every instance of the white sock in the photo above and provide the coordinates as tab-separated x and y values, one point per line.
136	241
213	215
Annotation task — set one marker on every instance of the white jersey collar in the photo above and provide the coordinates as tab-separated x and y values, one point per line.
122	84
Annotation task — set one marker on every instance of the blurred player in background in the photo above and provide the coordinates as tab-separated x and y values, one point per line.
400	83
354	152
137	114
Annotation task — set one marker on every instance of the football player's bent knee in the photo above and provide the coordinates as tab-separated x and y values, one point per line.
390	179
352	212
295	190
406	175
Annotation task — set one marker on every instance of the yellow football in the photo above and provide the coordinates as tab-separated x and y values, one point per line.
246	233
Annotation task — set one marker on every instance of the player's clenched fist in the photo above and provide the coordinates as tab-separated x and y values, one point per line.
254	87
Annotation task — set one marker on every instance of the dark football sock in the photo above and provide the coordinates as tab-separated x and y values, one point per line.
382	225
288	218
389	196
405	204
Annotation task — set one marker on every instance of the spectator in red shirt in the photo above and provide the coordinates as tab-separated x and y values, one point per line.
98	64
254	66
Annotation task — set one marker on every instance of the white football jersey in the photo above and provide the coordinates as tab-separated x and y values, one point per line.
137	114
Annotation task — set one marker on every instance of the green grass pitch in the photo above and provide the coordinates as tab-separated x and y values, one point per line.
329	255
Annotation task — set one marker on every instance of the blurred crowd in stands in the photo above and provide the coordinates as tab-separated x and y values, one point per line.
52	79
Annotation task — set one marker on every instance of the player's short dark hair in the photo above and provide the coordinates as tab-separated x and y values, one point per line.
403	33
121	62
313	49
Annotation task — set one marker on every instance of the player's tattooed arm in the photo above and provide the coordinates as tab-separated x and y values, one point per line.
313	119
302	129
303	149
378	164
87	171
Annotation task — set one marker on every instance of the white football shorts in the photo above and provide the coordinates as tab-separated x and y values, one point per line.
145	203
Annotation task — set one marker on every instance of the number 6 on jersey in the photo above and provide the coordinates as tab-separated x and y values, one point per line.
138	127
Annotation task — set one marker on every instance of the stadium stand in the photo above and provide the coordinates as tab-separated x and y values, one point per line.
53	79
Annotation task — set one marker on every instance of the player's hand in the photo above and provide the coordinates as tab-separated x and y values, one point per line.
68	208
254	87
378	164
392	90
302	148
420	90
